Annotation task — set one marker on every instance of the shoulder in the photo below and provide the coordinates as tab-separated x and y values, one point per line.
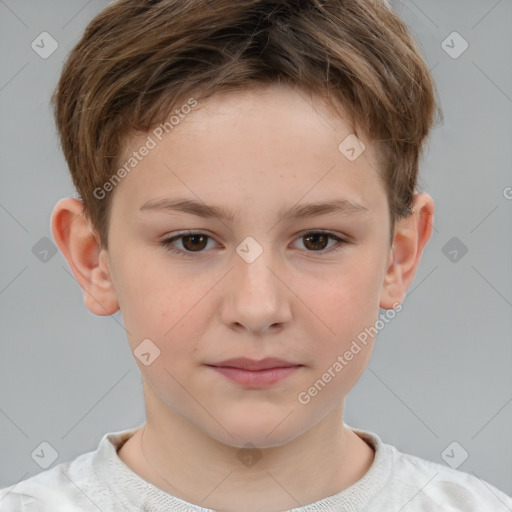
412	483
70	486
60	488
439	487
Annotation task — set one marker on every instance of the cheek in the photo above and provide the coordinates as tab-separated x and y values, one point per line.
150	293
348	306
171	312
351	298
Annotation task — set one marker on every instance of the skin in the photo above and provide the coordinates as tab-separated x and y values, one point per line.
253	151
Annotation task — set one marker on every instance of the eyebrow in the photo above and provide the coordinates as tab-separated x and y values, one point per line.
300	211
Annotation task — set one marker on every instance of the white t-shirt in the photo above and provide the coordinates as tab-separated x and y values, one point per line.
100	481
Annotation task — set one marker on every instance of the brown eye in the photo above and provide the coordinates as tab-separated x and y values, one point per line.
194	242
317	241
191	243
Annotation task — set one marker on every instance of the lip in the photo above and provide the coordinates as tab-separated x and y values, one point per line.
256	374
252	364
256	378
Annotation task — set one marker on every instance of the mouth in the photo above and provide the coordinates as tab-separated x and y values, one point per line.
245	363
255	374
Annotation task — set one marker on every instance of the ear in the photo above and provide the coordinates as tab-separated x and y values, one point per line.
411	235
79	243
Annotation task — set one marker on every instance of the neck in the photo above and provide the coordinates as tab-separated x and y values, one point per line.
185	462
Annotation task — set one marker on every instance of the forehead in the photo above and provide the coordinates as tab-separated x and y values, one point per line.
254	147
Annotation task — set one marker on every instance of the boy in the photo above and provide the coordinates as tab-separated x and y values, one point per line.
282	138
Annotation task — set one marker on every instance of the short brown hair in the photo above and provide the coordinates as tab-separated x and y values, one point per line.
138	58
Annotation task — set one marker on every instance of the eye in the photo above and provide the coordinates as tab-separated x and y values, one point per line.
195	242
316	241
191	241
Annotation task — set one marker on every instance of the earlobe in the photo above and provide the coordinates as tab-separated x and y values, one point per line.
411	235
79	244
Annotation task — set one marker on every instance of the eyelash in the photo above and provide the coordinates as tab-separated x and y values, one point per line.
167	243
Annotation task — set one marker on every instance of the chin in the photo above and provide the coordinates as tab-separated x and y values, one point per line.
271	433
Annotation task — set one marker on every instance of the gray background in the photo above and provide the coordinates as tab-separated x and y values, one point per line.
441	370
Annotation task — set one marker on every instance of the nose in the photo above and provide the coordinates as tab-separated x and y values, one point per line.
257	296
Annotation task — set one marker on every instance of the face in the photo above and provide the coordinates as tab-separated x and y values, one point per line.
254	283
